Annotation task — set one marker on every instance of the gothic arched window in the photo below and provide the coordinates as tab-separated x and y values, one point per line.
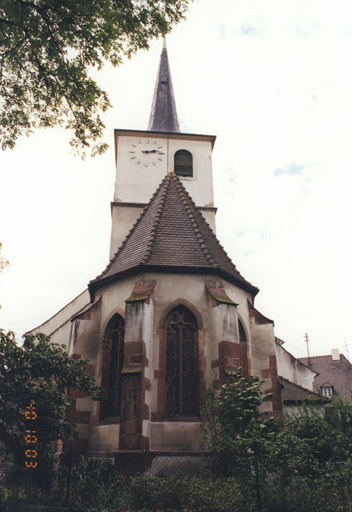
181	364
112	367
183	163
244	349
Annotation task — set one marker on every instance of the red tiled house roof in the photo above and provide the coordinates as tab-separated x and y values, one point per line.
293	394
337	373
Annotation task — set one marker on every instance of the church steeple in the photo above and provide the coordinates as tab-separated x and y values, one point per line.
163	115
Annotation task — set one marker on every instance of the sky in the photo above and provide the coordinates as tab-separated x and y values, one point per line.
273	81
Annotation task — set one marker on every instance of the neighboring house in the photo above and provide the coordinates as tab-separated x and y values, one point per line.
334	373
296	379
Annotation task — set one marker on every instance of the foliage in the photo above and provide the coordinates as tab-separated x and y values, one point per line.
47	48
4	263
316	447
109	491
233	429
95	483
306	466
235	432
39	372
180	492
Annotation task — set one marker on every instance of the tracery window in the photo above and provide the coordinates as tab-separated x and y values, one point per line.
243	349
112	367
183	163
181	364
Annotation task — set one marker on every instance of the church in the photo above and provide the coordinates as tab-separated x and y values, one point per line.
170	313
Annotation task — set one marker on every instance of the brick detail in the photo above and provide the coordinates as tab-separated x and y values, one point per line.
147	384
144	442
217	293
130	423
271	373
258	317
160	377
74	393
77	416
229	357
142	290
78	446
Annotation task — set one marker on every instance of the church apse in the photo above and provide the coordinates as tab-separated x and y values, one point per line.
170	313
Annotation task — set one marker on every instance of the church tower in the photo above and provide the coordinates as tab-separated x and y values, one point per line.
171	313
143	158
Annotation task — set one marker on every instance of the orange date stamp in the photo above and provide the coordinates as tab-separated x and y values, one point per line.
31	437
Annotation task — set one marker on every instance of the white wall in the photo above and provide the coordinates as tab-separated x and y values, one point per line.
291	369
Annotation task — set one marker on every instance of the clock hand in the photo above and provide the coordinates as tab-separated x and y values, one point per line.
149	151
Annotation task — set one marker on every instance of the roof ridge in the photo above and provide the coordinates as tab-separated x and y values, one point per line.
171	232
205	250
132	230
182	190
315	357
156	221
297	385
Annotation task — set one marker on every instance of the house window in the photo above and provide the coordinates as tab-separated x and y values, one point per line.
112	368
181	364
327	391
183	163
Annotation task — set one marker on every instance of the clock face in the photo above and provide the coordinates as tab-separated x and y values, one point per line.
147	152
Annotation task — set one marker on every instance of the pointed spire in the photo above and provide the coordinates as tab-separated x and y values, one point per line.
163	115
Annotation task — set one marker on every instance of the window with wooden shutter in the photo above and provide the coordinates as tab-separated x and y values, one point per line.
183	163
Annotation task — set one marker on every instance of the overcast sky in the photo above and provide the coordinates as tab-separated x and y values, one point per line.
273	80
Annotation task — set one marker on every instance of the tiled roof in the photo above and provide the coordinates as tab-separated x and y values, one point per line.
172	234
338	373
292	393
163	115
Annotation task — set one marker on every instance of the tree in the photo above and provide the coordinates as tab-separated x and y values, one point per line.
4	263
238	436
47	48
316	447
34	379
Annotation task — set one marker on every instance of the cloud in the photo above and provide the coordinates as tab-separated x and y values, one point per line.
247	29
306	28
291	169
251	29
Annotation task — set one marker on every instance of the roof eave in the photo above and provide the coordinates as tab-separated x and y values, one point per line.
243	284
170	135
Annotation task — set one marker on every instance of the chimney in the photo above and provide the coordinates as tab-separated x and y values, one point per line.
335	354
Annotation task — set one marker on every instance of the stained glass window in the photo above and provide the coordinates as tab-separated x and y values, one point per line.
112	367
181	366
243	349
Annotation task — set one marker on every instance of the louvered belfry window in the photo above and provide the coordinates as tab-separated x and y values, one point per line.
183	163
181	364
112	368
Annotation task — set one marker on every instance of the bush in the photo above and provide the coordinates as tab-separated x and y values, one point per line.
183	493
94	483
